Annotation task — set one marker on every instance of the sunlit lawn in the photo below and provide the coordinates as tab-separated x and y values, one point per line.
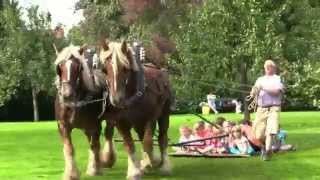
33	151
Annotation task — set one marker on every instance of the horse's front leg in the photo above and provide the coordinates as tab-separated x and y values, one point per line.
94	165
108	155
133	172
71	171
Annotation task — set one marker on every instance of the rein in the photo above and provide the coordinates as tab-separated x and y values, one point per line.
188	143
79	104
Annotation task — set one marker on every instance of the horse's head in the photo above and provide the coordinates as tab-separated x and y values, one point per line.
119	65
68	69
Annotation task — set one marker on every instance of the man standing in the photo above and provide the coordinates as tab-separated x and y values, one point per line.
266	125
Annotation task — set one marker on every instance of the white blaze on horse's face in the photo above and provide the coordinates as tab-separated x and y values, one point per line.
67	89
68	65
118	65
68	68
69	74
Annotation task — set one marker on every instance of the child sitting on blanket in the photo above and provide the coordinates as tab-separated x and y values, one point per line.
200	133
240	143
226	128
199	130
185	136
246	130
219	121
214	145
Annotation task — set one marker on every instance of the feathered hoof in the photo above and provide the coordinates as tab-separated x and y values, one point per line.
134	174
94	172
145	167
165	170
73	175
107	161
135	177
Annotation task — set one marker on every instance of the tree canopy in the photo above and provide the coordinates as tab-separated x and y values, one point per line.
208	46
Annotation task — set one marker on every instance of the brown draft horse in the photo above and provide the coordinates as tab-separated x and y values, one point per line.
74	110
132	107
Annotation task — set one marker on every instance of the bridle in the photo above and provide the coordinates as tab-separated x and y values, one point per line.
67	81
76	101
138	57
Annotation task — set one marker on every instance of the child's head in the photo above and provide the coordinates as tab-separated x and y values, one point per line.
220	120
185	131
199	126
236	132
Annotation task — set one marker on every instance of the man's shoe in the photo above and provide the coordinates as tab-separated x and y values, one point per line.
266	156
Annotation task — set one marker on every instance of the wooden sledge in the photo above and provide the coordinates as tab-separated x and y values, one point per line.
196	155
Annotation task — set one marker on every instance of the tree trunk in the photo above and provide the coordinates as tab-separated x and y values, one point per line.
244	81
35	104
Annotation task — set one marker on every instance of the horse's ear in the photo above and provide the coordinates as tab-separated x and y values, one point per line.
104	44
124	47
82	49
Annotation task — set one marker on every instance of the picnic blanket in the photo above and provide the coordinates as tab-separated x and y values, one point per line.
208	155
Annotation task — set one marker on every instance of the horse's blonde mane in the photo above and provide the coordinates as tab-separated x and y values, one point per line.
118	57
67	52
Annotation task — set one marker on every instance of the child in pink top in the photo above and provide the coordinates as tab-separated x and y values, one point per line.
214	145
199	130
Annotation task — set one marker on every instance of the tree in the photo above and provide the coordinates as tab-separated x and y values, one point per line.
228	38
75	36
102	20
38	74
10	52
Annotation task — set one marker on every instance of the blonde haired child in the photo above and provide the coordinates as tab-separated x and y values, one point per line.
241	143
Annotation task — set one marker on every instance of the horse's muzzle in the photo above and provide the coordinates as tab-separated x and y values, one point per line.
66	91
117	102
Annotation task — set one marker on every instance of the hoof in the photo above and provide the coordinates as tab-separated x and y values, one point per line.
75	175
145	167
165	169
165	172
93	172
107	161
136	177
107	164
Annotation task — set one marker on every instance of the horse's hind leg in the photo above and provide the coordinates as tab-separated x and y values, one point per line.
163	123
148	161
134	172
94	166
71	171
108	155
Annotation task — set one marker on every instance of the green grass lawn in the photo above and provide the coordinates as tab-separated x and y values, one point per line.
31	151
